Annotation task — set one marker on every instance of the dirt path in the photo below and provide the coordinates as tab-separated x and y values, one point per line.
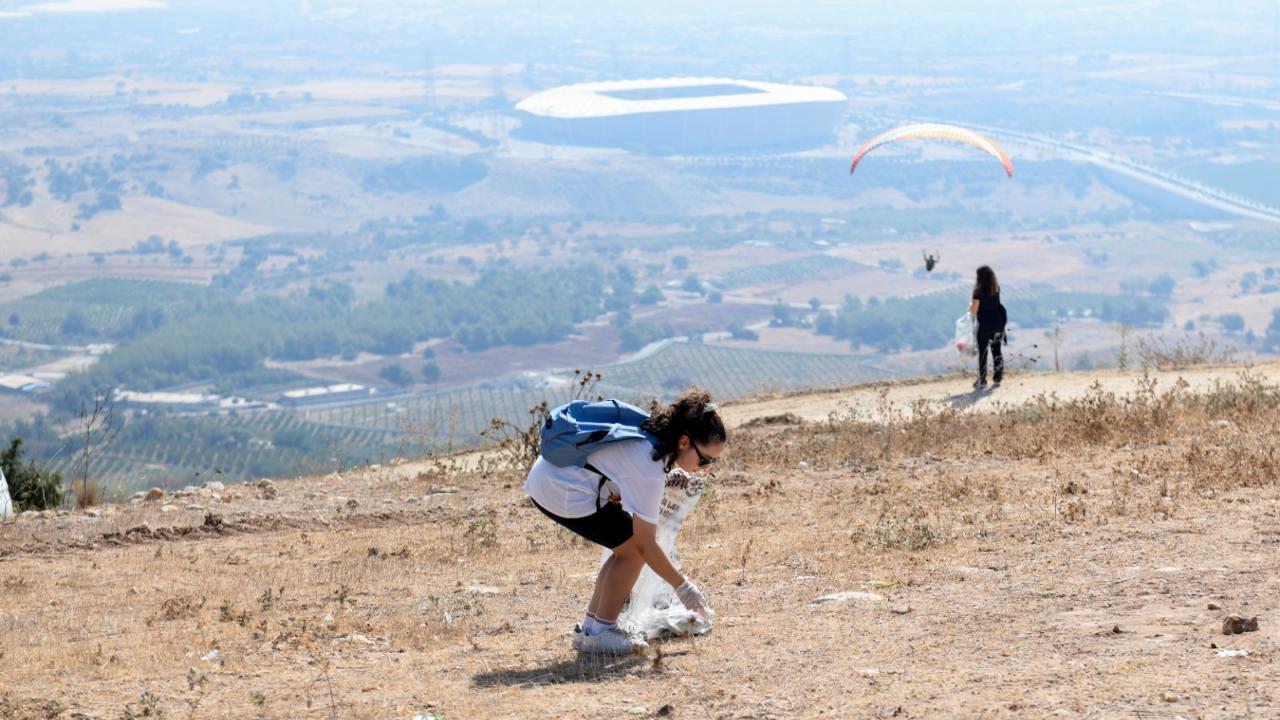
866	401
869	401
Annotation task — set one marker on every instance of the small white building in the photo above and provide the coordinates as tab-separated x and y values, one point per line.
326	394
22	383
181	402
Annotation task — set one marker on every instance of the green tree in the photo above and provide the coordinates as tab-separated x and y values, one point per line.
741	332
75	324
783	315
637	335
651	296
396	375
431	372
30	486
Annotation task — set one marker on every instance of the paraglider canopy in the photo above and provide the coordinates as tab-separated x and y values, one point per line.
936	131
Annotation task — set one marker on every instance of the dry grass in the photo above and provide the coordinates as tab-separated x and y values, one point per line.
1008	546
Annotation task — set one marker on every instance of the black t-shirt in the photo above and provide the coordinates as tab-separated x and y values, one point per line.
990	311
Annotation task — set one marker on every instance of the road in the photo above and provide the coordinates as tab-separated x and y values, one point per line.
1178	185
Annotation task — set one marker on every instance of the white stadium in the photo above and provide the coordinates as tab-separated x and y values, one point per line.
684	115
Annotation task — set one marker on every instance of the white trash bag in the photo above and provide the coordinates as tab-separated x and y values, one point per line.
6	503
654	610
966	336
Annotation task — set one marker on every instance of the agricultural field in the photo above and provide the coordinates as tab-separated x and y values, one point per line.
100	309
177	451
458	415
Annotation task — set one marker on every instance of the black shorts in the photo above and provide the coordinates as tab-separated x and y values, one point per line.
609	526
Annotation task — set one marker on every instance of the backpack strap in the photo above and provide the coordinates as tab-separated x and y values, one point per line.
599	489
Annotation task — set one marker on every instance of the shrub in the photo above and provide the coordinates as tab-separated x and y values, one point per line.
396	375
30	486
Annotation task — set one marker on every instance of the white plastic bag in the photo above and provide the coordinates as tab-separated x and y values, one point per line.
966	336
6	503
654	610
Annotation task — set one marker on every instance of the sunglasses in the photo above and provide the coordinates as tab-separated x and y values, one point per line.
703	460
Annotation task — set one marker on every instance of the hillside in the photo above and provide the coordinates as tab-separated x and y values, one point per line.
1066	546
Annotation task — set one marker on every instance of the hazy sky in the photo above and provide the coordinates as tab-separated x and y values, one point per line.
504	30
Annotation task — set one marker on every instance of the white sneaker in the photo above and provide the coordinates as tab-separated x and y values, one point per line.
610	642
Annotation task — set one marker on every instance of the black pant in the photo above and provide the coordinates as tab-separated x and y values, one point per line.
993	338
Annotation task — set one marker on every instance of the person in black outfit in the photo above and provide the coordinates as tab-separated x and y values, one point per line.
991	318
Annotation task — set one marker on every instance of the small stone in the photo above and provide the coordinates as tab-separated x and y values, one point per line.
375	468
93	512
195	508
902	609
214	486
154	494
1236	624
442	490
411	500
168	508
665	710
352	503
1214	606
1169	697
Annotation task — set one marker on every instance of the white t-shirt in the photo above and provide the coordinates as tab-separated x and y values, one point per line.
572	492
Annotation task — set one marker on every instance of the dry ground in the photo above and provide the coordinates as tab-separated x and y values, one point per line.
1038	558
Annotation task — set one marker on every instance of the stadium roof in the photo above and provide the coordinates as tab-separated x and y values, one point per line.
606	99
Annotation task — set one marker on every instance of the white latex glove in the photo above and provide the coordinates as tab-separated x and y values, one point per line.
691	597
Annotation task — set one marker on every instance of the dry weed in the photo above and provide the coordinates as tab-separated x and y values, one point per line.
1161	354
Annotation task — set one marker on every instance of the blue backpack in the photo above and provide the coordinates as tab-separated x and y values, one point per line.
575	430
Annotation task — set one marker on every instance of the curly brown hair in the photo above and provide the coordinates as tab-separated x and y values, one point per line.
694	415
